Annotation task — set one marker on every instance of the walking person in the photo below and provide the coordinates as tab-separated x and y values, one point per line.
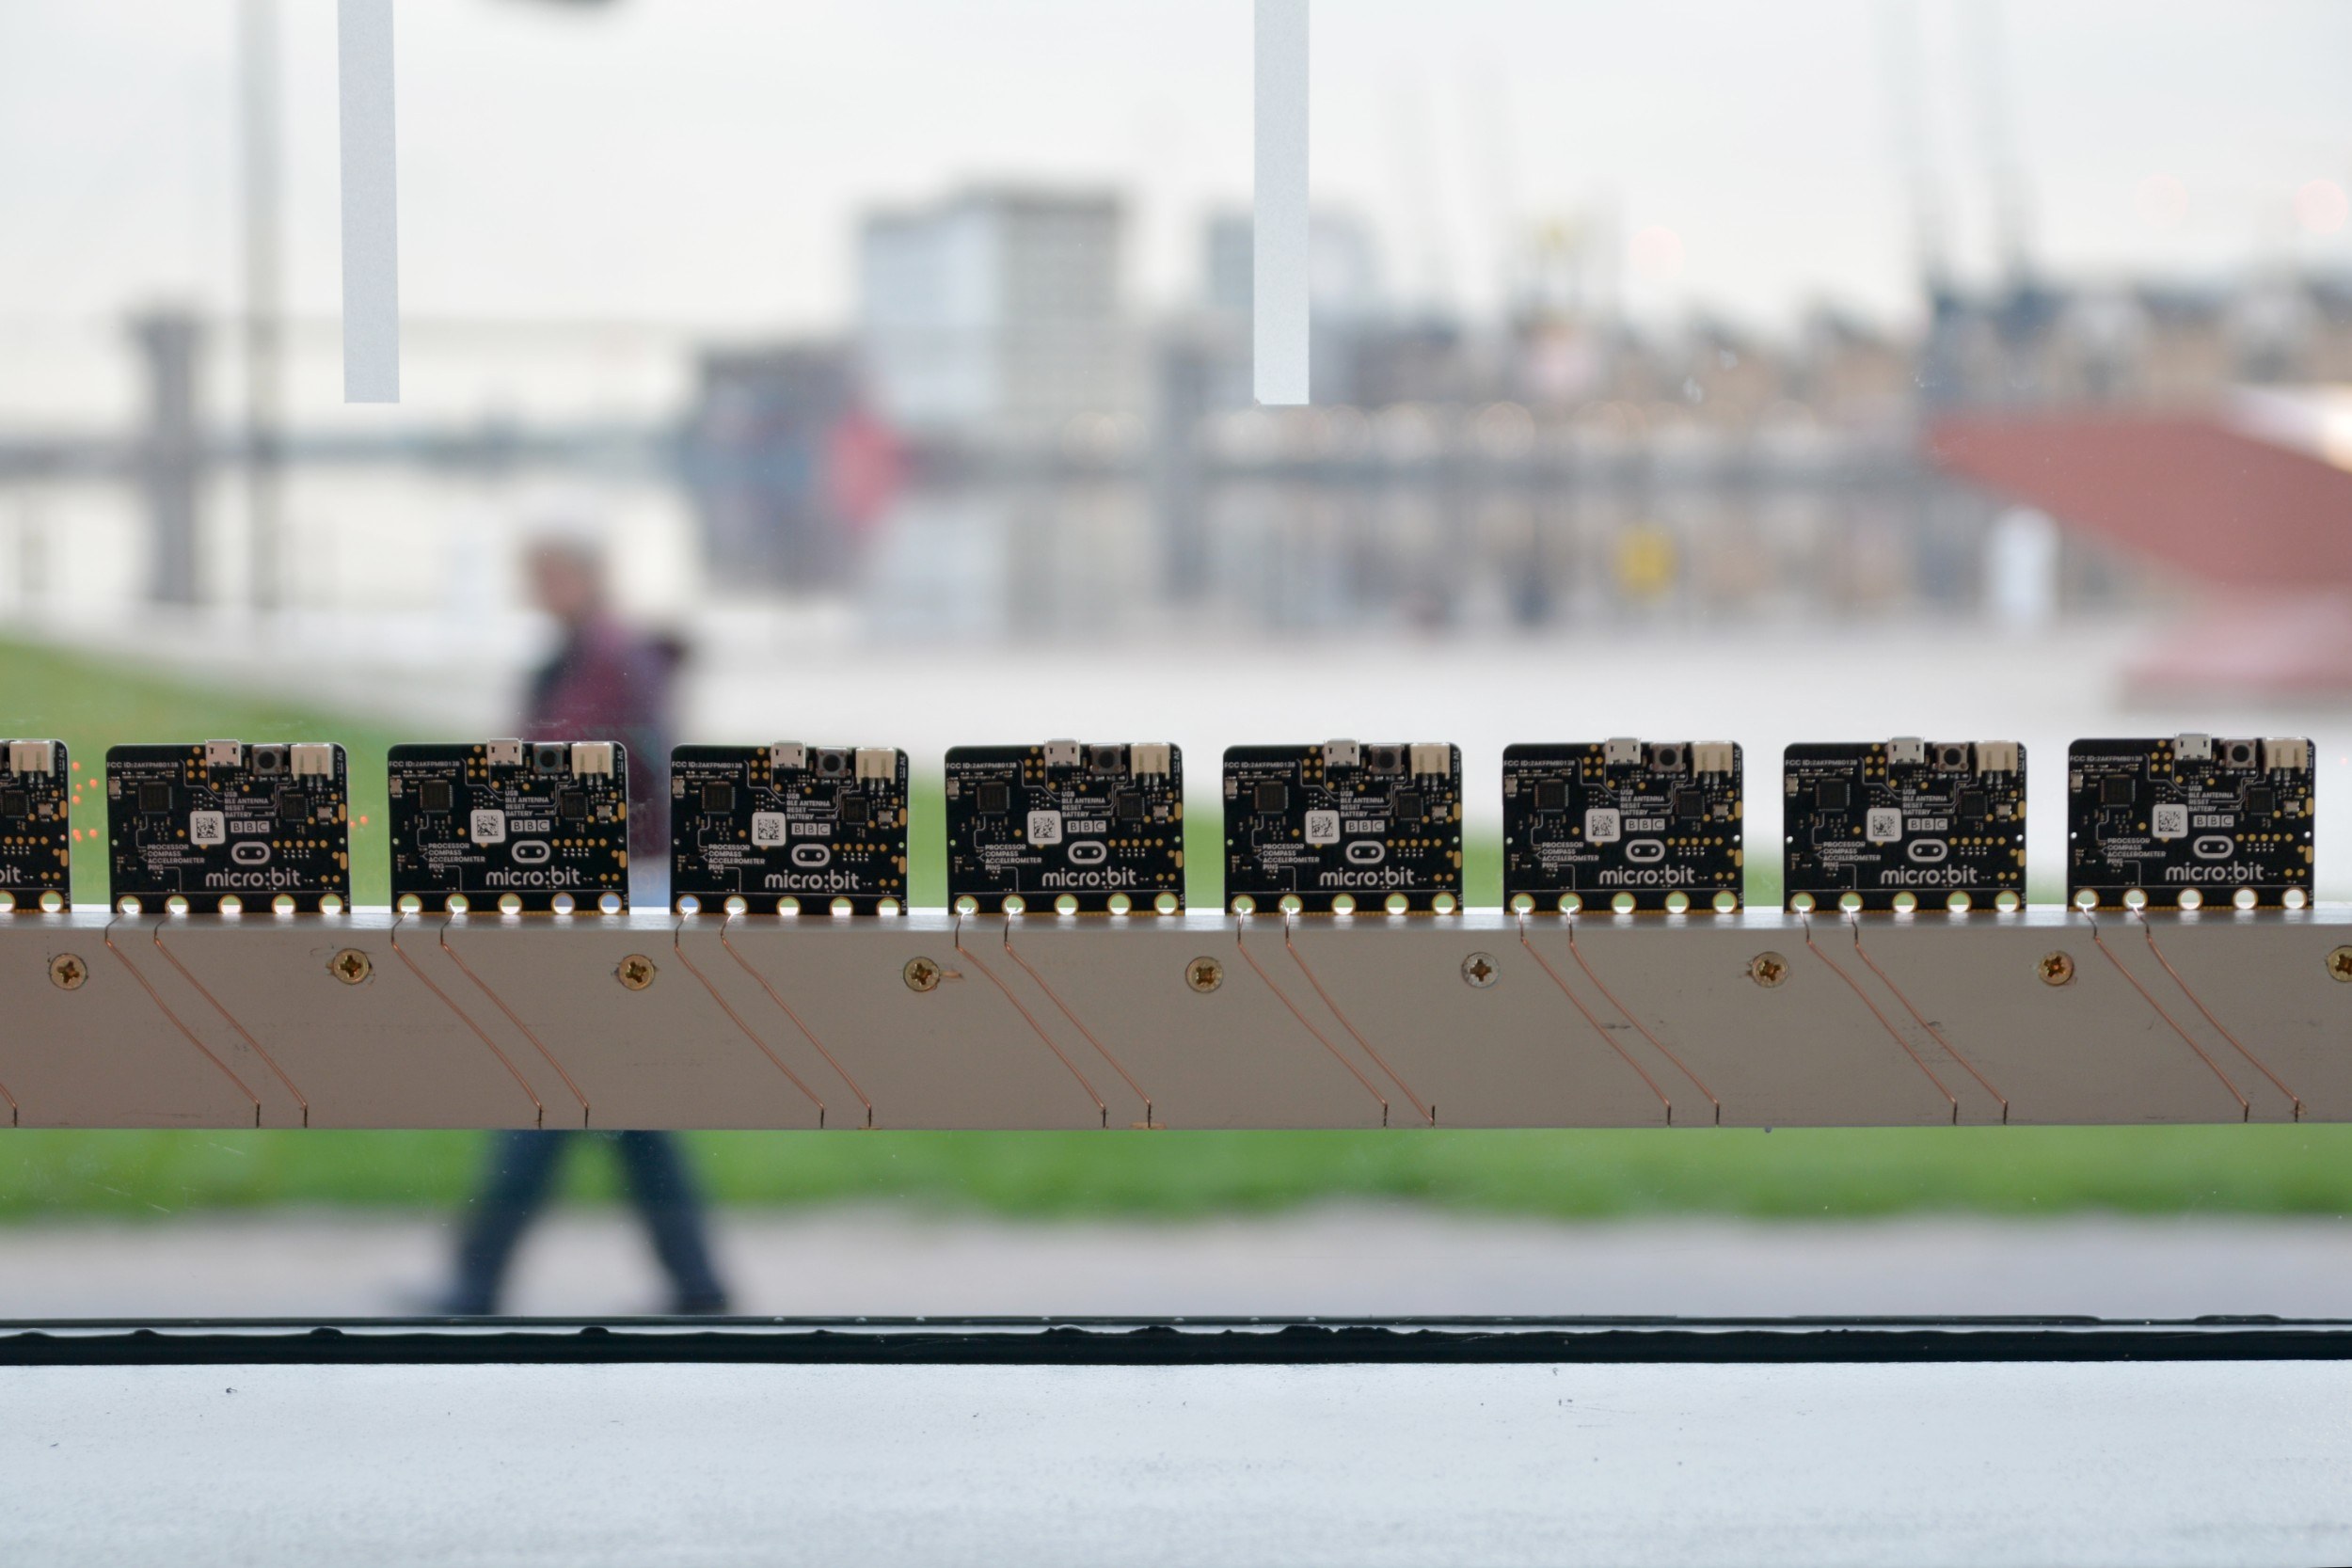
606	682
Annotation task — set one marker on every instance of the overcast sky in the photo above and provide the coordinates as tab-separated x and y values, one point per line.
704	161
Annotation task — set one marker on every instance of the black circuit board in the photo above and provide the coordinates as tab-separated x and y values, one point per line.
1103	825
36	841
223	819
544	821
1656	824
2190	813
1343	824
788	827
1903	823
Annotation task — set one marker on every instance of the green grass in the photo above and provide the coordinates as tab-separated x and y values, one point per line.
92	704
1581	1175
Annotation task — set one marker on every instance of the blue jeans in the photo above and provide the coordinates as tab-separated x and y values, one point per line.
521	1171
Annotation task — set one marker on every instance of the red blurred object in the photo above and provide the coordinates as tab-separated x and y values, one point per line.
865	468
2225	507
2265	528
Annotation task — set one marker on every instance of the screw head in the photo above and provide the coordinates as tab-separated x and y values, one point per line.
67	973
1480	971
921	974
1204	974
1769	970
2340	963
351	966
2056	968
636	972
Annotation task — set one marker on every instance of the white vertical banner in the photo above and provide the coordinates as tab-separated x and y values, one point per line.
1279	246
370	204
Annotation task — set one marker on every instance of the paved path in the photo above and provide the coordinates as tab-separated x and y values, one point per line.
1334	1260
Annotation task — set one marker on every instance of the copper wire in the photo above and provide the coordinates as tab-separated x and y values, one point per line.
2245	1106
679	948
1428	1113
1054	997
2150	932
1337	1055
242	1033
467	1019
516	1019
1039	1029
1892	1032
786	1008
1605	1037
1920	1019
1626	1013
185	1033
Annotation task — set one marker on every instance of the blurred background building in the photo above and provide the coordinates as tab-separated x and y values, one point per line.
1606	469
1001	419
1002	435
996	314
